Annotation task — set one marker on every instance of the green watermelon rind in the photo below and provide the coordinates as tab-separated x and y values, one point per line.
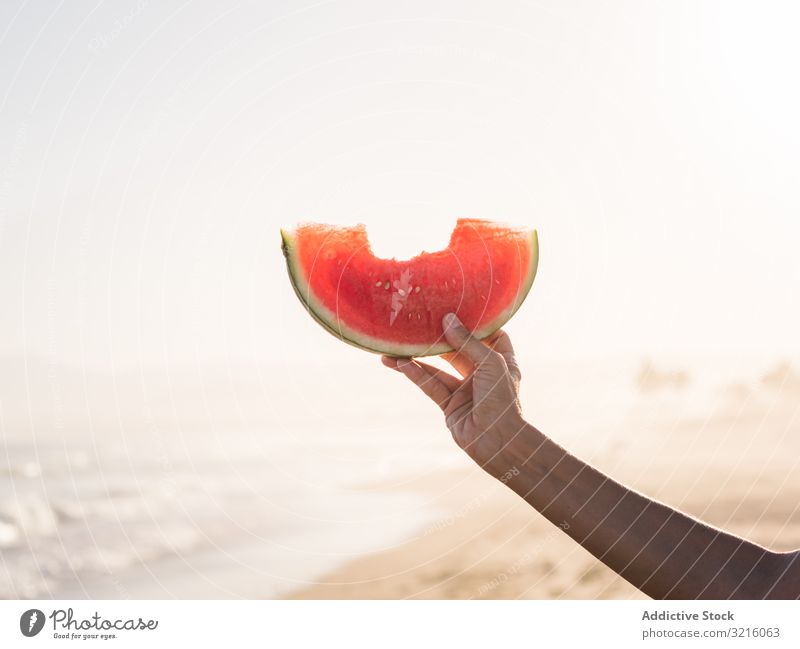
329	321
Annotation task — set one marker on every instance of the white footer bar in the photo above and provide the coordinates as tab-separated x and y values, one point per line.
388	624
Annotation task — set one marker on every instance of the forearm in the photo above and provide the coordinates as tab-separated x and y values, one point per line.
660	550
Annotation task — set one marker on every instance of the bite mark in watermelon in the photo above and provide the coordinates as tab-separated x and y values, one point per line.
396	307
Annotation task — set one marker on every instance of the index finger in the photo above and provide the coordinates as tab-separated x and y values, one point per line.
500	342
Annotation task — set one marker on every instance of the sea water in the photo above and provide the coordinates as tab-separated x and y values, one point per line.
214	514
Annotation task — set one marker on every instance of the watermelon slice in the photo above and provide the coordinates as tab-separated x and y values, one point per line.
395	307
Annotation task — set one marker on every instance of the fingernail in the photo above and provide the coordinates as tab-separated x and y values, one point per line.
403	362
451	320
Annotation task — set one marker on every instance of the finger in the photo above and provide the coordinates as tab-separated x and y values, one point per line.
429	384
451	382
390	362
465	343
500	342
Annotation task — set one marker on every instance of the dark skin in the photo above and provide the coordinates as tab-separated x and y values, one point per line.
663	552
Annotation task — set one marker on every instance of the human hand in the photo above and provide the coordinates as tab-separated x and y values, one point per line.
482	408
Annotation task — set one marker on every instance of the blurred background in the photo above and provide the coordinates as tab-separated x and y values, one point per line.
173	424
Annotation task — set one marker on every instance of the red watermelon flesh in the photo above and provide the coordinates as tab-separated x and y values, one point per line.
396	307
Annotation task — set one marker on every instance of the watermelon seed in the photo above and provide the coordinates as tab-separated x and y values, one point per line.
378	283
386	286
417	290
402	292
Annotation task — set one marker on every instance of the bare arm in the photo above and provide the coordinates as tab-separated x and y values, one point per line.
663	552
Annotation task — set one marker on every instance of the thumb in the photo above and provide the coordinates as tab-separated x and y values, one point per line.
463	341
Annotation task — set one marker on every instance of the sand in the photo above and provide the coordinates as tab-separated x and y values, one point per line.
491	544
382	513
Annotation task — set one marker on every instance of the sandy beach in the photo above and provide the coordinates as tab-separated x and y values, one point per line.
395	512
485	543
493	545
736	468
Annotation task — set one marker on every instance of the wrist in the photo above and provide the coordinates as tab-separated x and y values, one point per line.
516	454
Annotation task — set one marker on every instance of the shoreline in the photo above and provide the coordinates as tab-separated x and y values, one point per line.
461	535
269	566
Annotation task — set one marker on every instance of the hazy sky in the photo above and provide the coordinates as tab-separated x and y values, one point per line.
150	151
